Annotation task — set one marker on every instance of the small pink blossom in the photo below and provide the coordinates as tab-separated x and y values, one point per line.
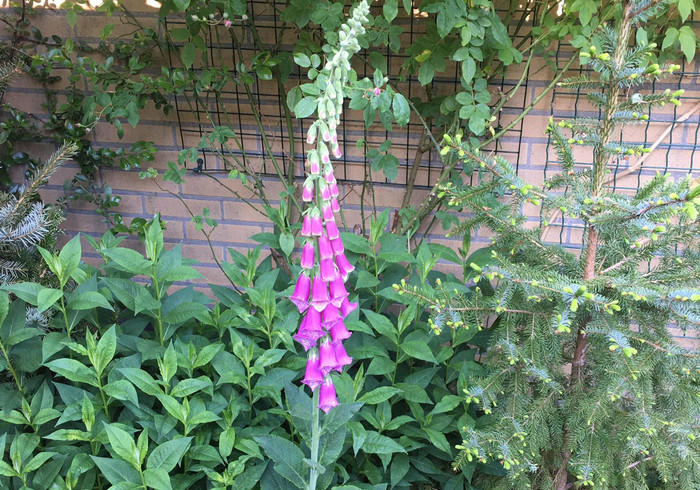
227	23
377	91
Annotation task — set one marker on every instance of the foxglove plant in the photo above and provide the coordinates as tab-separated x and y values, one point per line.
320	292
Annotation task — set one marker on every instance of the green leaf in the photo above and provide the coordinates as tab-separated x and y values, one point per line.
69	257
381	324
426	73
157	479
302	60
375	443
399	467
687	38
287	243
122	390
207	354
305	107
439	440
356	243
447	403
47	297
122	444
72	18
129	260
181	5
189	52
390	9
106	347
7	470
379	395
26	291
685	8
187	387
167	455
418	350
73	370
142	380
36	462
670	38
468	69
287	456
117	471
226	442
88	301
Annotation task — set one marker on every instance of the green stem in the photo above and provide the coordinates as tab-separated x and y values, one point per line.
315	436
102	395
11	368
159	312
65	316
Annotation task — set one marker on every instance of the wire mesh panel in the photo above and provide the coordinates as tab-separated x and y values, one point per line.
237	104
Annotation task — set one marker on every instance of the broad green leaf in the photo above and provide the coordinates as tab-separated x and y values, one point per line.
122	444
142	380
122	390
447	403
36	462
73	370
88	301
26	291
305	107
129	260
117	471
399	467
287	456
439	440
226	441
418	349
381	324
402	110
208	353
105	350
157	478
390	9
187	387
375	443
69	257
167	455
47	297
287	243
181	5
687	39
379	395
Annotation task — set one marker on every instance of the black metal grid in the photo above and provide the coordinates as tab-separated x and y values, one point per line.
233	108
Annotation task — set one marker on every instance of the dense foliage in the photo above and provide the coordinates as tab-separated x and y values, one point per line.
128	383
585	384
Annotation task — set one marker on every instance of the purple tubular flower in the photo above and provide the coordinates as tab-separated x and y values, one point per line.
307	194
347	307
337	246
325	191
339	331
324	247
344	267
306	226
337	291
330	316
309	329
335	206
333	186
313	377
314	167
326	355
332	230
341	356
300	296
307	256
319	295
327	398
328	272
328	176
316	225
327	211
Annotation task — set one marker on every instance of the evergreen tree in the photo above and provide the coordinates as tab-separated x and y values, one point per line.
25	222
585	384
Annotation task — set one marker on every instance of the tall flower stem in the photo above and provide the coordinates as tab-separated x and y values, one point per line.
315	436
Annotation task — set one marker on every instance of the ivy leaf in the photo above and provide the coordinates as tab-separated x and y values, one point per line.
402	111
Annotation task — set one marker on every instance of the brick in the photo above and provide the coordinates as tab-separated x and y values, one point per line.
173	207
223	233
202	253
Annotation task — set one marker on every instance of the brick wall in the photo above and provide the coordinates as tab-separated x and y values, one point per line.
678	151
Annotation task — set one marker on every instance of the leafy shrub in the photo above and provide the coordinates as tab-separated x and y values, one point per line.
134	382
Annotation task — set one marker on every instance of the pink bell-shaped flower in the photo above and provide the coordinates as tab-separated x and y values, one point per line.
306	225
337	246
339	331
326	355
319	294
300	296
316	225
307	193
332	230
311	134
313	377
341	356
328	272
327	211
325	250
327	397
309	329
335	206
344	267
323	152
313	163
347	307
325	190
337	291
328	175
330	316
333	186
307	256
335	150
